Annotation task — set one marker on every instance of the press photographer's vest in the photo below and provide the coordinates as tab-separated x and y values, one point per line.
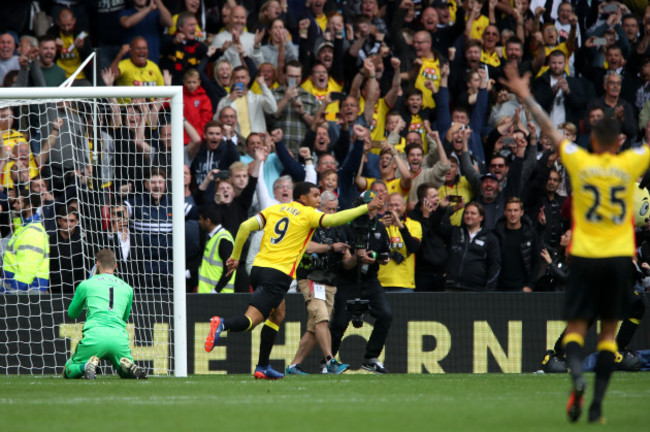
212	267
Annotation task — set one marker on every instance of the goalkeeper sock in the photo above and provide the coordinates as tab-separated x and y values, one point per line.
267	338
241	323
604	368
573	346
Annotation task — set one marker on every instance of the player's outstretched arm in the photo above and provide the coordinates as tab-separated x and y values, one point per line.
248	226
345	216
520	86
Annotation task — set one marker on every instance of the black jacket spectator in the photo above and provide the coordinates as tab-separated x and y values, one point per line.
574	102
525	260
473	265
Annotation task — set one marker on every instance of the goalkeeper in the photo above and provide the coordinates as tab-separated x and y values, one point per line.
107	300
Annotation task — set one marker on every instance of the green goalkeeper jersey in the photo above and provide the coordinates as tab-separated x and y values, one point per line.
107	300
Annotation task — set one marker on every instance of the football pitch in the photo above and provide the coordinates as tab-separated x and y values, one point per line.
349	402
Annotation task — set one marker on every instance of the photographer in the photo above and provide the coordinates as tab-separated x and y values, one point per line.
405	235
317	283
360	290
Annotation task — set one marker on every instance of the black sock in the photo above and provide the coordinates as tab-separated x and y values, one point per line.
626	332
328	358
267	338
604	369
574	357
238	324
558	348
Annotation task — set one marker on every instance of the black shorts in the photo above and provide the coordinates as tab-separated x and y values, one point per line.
599	288
270	287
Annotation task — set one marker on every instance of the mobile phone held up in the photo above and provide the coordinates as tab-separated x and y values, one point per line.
238	87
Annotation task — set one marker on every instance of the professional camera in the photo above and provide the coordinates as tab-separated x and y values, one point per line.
397	257
356	308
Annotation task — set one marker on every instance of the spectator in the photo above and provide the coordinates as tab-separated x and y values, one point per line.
279	45
487	187
109	42
151	213
30	74
147	18
71	44
614	105
197	108
119	240
435	171
431	256
544	204
67	267
182	51
389	163
190	7
250	107
474	255
216	153
426	69
295	107
52	72
8	56
320	84
235	39
520	250
562	96
137	70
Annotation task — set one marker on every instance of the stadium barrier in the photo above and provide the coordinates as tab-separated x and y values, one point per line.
431	333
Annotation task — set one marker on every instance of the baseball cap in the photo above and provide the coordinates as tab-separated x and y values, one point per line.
489	175
323	45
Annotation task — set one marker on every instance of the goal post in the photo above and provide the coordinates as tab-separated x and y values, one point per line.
17	97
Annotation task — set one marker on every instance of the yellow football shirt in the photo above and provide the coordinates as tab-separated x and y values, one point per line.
548	50
377	128
478	27
400	275
603	199
391	185
199	34
11	138
491	59
287	230
429	71
332	86
69	60
132	75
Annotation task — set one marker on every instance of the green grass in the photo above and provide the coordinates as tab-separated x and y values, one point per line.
350	402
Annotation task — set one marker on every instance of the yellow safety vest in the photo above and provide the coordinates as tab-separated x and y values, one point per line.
212	266
26	264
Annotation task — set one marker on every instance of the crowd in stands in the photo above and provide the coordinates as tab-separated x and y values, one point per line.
401	97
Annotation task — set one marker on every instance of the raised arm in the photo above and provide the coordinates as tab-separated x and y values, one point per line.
520	86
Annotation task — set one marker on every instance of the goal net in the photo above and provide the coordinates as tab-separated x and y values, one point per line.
96	168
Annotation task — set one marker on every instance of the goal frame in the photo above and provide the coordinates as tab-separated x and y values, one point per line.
175	95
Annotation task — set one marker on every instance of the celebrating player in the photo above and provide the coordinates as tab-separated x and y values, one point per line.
287	231
602	247
107	300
